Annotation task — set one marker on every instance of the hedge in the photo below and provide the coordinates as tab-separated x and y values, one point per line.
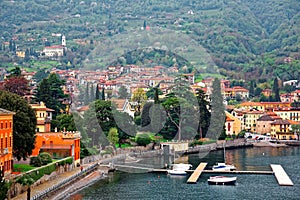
38	173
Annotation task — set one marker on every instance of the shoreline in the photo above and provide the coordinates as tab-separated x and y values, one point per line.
85	180
78	185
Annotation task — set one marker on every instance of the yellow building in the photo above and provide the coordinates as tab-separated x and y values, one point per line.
43	117
250	118
264	106
20	54
280	129
288	113
233	125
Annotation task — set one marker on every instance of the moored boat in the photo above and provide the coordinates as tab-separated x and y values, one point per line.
221	180
176	172
223	167
181	166
179	169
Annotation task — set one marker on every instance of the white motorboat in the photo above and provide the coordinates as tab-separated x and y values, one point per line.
176	172
223	167
221	180
181	166
179	169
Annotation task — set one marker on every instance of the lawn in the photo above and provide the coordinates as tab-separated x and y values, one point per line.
22	167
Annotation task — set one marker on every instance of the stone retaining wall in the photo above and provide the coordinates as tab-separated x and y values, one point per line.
17	188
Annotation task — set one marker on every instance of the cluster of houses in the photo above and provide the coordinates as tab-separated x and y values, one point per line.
272	118
58	144
267	118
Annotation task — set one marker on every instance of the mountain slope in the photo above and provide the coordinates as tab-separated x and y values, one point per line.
238	34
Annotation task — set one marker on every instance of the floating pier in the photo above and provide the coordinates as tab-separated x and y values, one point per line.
194	177
277	170
281	176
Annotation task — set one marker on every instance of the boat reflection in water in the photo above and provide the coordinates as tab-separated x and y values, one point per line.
221	180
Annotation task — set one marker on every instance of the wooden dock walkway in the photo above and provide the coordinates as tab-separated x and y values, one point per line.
194	177
281	176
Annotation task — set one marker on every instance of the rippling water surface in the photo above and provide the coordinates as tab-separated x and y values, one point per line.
161	186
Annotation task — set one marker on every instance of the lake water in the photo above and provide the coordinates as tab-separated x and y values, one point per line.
129	186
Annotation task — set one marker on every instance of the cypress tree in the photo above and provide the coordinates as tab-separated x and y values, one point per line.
217	112
92	93
103	94
97	96
276	90
86	95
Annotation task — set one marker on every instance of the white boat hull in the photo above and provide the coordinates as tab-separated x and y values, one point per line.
177	172
223	167
221	180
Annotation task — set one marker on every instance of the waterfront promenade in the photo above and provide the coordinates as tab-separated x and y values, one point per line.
44	186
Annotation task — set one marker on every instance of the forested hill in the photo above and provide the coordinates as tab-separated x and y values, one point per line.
247	35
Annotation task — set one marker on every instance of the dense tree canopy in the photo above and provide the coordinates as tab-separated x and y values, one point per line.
24	124
50	92
17	85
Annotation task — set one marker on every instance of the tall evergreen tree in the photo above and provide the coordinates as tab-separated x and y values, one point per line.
203	112
27	55
50	92
97	95
217	112
251	89
87	94
156	98
92	93
122	93
276	90
103	94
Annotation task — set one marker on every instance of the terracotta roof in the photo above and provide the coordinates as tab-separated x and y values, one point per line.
6	112
293	122
54	47
229	119
281	122
248	103
83	108
265	118
120	103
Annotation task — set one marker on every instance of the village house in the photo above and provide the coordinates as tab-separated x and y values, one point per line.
6	141
43	117
281	130
123	105
290	97
53	51
288	113
233	125
264	106
263	124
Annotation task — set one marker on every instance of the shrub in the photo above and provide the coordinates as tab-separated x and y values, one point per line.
143	139
195	143
45	158
69	161
35	161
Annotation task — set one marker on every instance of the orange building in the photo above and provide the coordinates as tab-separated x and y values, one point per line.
58	145
6	141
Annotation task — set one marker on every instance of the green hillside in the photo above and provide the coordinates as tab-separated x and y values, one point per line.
250	36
